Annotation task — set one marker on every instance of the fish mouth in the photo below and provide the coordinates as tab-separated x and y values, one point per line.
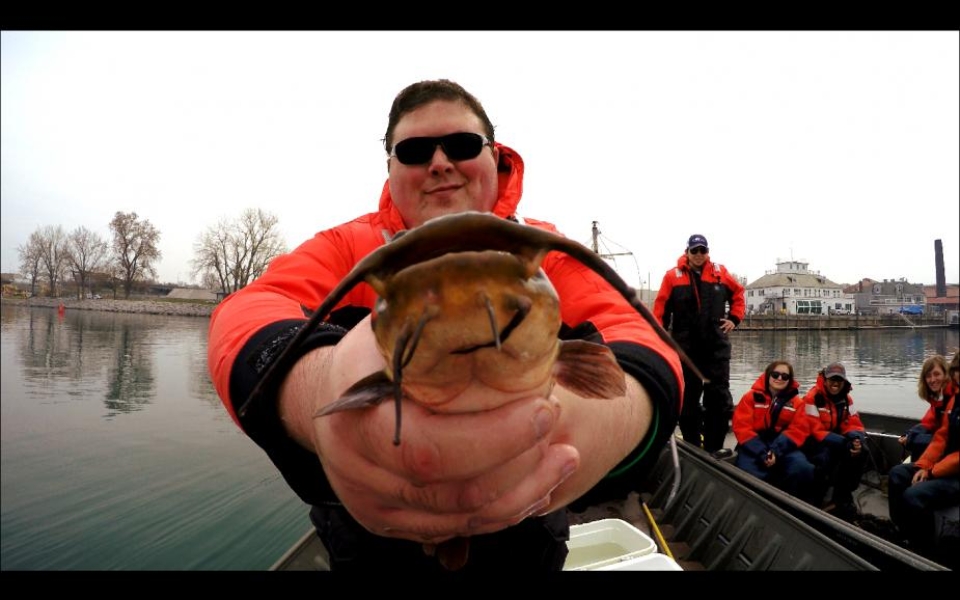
498	337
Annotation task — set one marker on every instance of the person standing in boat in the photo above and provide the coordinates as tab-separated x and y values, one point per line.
770	427
917	489
933	377
700	303
835	446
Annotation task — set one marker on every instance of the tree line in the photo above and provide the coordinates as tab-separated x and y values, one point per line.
227	256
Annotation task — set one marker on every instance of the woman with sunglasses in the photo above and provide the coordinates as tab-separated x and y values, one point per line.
930	389
836	442
502	476
918	490
770	428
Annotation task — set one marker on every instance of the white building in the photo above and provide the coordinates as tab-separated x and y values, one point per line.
793	289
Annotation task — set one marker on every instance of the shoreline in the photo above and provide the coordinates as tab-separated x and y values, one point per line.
143	306
753	323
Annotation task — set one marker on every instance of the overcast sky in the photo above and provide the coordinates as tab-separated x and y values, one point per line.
841	149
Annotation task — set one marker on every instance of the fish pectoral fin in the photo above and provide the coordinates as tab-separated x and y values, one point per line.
589	370
369	391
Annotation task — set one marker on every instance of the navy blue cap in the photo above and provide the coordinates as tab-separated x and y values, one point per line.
697	240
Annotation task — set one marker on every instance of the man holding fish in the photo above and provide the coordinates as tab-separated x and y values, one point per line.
527	382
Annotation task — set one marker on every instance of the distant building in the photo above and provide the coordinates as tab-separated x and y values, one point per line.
942	304
888	297
793	289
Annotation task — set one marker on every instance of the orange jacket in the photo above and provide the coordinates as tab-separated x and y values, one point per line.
692	313
252	326
827	417
931	418
304	277
752	420
942	456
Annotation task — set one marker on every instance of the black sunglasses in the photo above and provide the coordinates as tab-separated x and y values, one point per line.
700	250
779	375
457	146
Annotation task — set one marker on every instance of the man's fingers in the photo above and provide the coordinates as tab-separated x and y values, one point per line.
426	439
530	498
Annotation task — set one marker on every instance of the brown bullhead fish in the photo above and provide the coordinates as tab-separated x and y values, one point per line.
487	318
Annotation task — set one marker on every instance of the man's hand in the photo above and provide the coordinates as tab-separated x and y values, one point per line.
770	459
921	475
454	474
855	447
726	325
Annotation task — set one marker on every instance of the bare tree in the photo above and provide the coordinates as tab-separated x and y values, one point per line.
88	252
134	248
53	256
234	253
31	258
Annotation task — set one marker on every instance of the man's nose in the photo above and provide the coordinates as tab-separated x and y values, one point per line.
440	160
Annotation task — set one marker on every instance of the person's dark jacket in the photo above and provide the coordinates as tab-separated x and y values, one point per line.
690	305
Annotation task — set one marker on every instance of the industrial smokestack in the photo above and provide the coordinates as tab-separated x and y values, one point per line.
941	272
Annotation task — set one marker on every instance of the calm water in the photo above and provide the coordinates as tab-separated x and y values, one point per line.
117	455
116	452
883	365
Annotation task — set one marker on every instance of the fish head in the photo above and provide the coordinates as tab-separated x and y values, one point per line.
465	319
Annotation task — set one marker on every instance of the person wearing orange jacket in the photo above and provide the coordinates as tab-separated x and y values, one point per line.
933	378
700	303
770	426
499	467
917	489
835	446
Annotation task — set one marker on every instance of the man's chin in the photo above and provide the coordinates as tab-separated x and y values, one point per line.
447	207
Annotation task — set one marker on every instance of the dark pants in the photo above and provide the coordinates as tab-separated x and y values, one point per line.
711	421
912	506
917	442
834	466
534	545
792	472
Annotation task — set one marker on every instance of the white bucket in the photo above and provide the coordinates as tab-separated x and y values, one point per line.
605	542
649	562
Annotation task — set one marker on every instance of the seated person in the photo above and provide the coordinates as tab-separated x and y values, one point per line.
932	482
770	427
835	445
933	376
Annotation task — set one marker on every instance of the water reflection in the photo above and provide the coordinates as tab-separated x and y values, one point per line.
79	345
117	453
130	378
